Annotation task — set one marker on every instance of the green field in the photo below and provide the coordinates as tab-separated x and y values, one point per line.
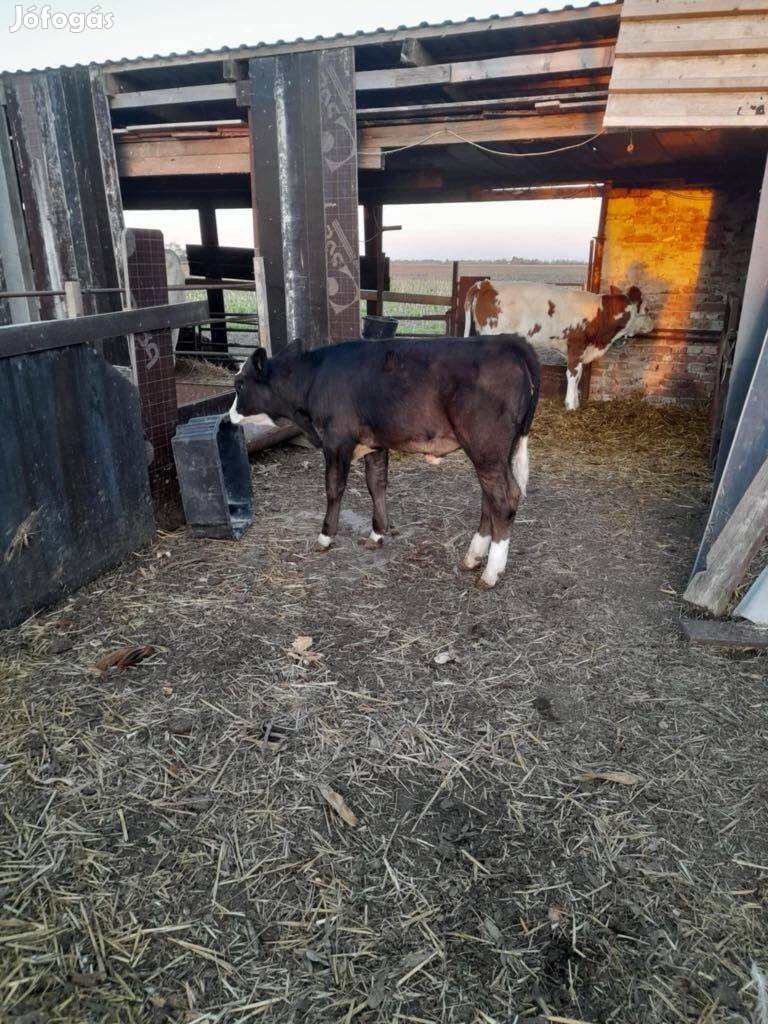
423	286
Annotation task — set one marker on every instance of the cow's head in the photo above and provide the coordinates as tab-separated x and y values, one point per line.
640	320
255	392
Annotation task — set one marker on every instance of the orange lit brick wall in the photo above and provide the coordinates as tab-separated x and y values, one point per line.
686	249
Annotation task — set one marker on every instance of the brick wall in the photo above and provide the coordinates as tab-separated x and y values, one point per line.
687	250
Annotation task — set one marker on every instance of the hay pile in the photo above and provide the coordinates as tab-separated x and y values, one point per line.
628	436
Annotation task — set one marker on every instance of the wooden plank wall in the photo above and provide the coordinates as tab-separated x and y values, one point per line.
304	161
67	178
15	264
690	64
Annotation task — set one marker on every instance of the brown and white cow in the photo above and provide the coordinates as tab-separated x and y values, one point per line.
581	325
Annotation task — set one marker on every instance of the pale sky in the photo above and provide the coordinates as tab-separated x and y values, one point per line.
560	228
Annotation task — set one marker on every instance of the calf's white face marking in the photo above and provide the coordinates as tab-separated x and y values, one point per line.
496	564
477	550
234	415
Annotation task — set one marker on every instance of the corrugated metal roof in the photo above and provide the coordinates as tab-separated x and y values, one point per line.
370	36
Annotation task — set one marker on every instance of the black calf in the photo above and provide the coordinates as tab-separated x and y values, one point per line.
361	398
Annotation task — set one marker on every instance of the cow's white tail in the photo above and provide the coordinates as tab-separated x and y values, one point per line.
520	465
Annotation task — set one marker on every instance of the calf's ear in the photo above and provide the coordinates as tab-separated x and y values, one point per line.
259	360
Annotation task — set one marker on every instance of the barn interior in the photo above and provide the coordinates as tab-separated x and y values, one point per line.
500	109
243	780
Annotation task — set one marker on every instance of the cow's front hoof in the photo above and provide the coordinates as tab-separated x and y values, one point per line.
468	565
322	544
373	545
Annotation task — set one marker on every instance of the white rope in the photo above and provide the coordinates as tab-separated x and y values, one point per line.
480	146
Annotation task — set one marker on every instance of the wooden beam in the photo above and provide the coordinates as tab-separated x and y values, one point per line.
735	547
652	10
373	222
740	83
413	297
413	54
174	97
603	17
21	339
694	110
483	194
734	635
525	65
209	237
714	36
499	129
414	110
210	154
372	161
214	154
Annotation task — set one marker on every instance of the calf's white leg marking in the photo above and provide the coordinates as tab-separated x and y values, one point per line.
520	465
234	415
374	541
476	552
324	541
572	390
497	561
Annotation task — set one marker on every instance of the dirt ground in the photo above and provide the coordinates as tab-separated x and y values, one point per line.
166	853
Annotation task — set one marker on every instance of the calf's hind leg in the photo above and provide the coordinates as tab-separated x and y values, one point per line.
337	463
481	541
376	466
503	495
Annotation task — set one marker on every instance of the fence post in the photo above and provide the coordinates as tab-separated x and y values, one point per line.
153	367
73	299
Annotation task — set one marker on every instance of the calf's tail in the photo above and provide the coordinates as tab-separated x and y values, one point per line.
529	398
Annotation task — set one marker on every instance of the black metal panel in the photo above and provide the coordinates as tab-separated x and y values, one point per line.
73	476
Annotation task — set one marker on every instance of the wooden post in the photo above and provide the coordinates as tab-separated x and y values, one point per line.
153	369
209	235
594	278
374	246
304	178
735	547
451	326
73	298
